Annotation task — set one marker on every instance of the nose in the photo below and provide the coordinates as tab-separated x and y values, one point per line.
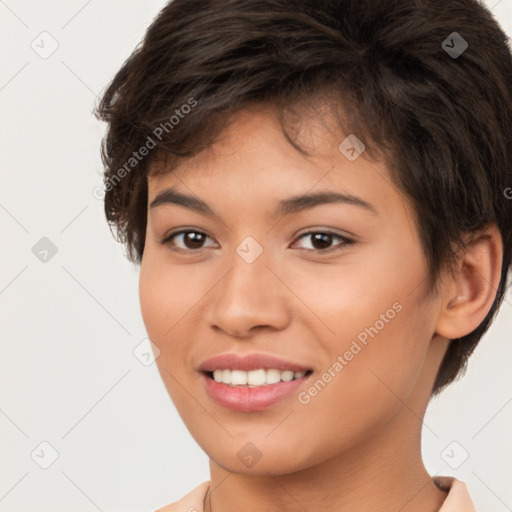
250	297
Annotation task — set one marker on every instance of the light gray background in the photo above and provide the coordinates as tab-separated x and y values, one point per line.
69	326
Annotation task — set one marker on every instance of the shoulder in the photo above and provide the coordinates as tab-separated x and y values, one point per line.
191	502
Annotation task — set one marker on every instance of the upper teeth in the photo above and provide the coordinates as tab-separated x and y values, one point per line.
259	377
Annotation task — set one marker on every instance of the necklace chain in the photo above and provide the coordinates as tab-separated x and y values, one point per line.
204	501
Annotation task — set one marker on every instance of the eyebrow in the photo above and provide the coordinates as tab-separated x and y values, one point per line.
287	206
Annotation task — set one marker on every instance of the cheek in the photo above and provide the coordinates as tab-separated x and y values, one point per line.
162	306
154	302
353	400
374	318
170	296
166	294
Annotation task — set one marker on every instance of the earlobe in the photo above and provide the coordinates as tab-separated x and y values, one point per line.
468	293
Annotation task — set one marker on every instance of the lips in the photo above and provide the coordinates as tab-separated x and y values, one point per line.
246	398
250	362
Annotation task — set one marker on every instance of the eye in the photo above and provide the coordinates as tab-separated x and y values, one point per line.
189	239
321	240
193	240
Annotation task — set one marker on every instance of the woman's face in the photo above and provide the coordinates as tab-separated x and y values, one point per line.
347	303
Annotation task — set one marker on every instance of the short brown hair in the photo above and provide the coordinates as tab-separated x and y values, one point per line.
443	121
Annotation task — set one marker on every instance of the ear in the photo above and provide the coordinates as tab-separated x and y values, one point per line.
468	294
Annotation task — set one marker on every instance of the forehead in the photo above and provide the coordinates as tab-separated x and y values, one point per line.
253	158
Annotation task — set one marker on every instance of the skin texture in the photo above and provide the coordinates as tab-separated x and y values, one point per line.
356	444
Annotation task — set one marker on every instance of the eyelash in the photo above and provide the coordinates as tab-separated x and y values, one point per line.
345	241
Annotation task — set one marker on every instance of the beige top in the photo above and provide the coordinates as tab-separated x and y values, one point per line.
457	500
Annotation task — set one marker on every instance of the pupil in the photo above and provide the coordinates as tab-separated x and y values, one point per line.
192	238
322	238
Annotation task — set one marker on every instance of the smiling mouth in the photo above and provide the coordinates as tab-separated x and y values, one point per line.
255	378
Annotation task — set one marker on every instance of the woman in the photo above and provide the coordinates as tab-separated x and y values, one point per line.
316	193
